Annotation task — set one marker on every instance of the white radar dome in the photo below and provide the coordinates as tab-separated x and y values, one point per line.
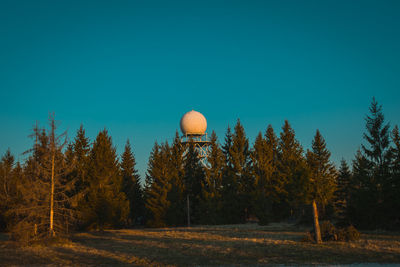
193	123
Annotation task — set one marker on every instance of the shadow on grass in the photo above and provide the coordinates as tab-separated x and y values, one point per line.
218	247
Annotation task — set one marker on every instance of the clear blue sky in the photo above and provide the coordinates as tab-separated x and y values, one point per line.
135	67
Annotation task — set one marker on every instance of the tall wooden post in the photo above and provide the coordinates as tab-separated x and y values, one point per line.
316	223
188	210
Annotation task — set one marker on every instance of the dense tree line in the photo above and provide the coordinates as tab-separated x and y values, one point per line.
276	180
63	186
85	185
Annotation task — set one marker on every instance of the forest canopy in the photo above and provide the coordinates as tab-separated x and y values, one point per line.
66	185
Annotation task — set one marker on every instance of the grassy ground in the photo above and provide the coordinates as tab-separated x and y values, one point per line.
208	245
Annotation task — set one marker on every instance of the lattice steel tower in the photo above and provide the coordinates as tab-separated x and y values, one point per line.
193	127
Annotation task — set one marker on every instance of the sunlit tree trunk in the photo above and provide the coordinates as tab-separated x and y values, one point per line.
316	223
52	198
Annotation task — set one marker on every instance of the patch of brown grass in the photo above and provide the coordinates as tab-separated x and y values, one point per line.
203	245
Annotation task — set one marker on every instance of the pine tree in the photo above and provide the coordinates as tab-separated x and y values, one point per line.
268	186
8	186
176	214
230	202
158	186
394	196
211	197
292	172
237	182
81	150
376	186
362	198
106	204
193	179
343	190
322	178
131	185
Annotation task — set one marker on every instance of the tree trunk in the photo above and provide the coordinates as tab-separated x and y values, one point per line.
188	210
317	230
51	232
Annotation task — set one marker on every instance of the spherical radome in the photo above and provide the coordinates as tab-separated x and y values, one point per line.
194	123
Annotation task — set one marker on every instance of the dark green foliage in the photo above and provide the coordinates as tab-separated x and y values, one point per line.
231	206
268	187
193	179
237	180
176	214
105	204
293	173
393	196
372	183
131	186
211	198
8	186
343	189
322	171
80	152
157	186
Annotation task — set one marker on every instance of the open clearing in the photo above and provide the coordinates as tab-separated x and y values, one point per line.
203	246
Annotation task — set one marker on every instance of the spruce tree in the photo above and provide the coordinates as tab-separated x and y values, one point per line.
231	212
322	178
394	196
106	204
81	150
8	186
292	172
238	182
377	186
211	197
131	185
158	186
343	190
362	198
176	214
268	186
193	179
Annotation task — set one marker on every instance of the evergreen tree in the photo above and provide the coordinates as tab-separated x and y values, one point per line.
193	179
268	186
322	177
158	186
176	213
394	195
376	185
292	173
131	185
106	204
343	190
80	152
238	182
362	198
8	186
231	212
211	200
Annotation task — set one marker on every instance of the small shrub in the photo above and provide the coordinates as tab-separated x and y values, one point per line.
330	233
308	237
349	233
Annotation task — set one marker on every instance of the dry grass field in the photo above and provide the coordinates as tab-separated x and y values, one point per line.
203	246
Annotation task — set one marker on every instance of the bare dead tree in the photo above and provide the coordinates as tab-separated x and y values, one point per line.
47	188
